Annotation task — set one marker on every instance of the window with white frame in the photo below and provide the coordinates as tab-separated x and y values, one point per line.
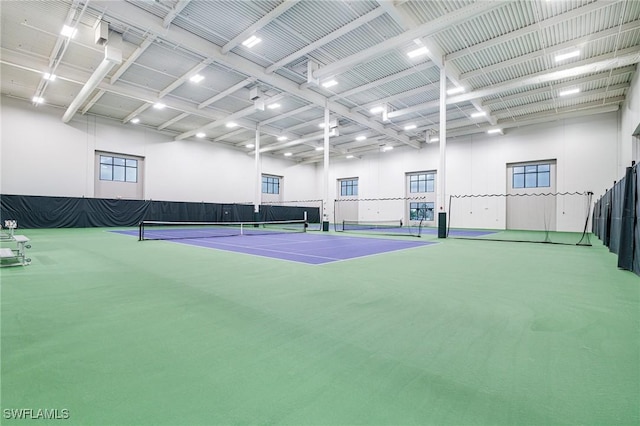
532	176
348	187
421	211
270	184
118	169
421	182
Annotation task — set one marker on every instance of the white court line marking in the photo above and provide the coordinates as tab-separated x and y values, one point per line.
268	250
206	244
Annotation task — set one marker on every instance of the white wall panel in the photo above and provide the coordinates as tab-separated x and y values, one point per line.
40	155
629	146
585	150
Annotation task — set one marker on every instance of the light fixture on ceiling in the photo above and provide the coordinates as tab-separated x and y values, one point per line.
274	106
349	156
231	125
288	154
455	90
418	52
251	41
319	148
68	31
410	127
478	114
196	78
250	145
494	131
569	92
434	139
38	99
386	148
333	123
200	135
377	109
329	83
568	55
159	105
282	138
361	138
48	76
135	120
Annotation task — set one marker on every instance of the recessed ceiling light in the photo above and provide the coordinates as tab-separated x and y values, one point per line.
410	127
569	92
567	55
196	78
329	83
288	154
478	114
376	109
349	156
159	105
273	106
319	148
200	135
38	99
361	138
135	120
455	90
494	131
68	31
251	41
231	125
50	77
418	52
282	138
250	145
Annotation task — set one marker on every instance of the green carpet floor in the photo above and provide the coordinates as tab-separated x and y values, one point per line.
460	333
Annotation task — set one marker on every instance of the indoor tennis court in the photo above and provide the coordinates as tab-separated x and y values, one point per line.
304	212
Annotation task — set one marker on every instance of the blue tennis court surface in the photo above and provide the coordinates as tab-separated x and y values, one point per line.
311	248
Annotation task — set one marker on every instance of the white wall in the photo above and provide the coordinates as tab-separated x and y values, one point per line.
585	150
628	145
40	155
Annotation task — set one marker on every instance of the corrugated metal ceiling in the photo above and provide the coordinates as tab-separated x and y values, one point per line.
506	55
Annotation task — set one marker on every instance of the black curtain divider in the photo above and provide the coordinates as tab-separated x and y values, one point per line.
615	220
67	212
636	231
627	222
616	216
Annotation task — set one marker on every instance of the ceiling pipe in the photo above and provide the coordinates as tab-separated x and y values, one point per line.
112	57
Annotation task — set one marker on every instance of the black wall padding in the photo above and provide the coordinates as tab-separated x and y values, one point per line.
269	212
627	222
67	212
615	220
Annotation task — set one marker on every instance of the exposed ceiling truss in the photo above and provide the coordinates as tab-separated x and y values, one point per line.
267	66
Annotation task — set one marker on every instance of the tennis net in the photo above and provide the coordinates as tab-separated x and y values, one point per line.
161	230
390	227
